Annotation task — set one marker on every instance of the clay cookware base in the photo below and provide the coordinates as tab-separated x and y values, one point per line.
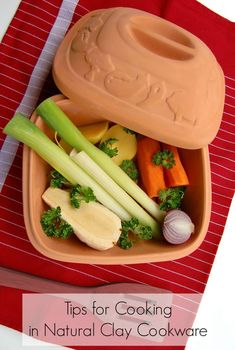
197	204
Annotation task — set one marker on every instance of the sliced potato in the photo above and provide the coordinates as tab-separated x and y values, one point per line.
93	133
126	143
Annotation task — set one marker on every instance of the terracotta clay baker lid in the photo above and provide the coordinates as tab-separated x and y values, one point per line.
145	73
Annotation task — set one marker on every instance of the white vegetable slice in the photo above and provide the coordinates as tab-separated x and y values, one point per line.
92	223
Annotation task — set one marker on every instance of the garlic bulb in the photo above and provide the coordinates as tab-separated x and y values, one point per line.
177	227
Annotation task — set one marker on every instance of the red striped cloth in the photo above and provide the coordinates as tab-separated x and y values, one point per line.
25	61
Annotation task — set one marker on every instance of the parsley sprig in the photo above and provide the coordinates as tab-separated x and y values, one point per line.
171	198
129	131
57	180
54	226
130	169
80	194
164	158
133	225
107	148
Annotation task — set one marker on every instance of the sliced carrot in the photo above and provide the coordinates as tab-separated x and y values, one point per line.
175	176
151	175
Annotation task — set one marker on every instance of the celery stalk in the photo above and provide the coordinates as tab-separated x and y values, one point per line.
110	186
57	119
27	132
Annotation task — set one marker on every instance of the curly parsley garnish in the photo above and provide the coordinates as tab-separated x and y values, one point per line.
129	131
80	194
164	158
54	226
57	180
171	198
130	169
133	225
107	148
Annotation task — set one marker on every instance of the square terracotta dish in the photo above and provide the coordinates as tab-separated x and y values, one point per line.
197	204
158	80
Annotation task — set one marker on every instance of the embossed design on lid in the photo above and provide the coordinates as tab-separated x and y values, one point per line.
145	73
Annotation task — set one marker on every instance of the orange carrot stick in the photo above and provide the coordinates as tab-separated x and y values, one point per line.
151	175
175	176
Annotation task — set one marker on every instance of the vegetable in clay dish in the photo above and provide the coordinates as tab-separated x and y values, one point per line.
81	188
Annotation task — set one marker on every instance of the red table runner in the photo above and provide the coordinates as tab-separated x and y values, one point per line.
26	54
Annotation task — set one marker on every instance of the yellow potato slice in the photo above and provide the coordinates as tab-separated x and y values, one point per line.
93	133
126	143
